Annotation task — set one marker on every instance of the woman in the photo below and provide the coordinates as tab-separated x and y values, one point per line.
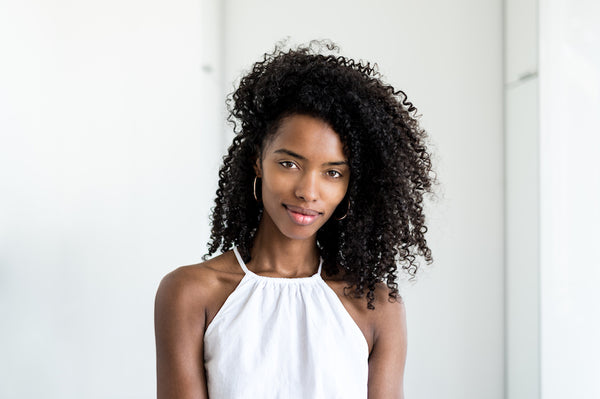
319	203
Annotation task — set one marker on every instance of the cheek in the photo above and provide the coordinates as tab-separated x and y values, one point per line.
338	194
276	185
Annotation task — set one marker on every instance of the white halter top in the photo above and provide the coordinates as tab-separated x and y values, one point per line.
284	338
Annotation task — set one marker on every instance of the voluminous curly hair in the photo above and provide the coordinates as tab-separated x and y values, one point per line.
390	166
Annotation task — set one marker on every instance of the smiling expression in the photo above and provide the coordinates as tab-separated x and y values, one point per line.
304	175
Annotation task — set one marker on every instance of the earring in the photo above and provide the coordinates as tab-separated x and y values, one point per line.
345	214
254	186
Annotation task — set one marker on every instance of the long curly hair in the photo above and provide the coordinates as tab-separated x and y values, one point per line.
390	165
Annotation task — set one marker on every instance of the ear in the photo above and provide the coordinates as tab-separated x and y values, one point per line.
258	167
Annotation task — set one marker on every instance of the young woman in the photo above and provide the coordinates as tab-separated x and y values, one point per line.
319	204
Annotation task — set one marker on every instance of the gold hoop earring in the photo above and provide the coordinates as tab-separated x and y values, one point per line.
254	186
345	214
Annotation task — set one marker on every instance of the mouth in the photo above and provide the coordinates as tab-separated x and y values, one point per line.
301	216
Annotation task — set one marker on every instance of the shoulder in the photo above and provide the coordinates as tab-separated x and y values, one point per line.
189	289
183	301
385	306
389	313
387	317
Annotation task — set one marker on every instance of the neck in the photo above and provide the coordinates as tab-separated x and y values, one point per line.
276	255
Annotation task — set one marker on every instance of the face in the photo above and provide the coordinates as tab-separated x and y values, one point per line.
304	175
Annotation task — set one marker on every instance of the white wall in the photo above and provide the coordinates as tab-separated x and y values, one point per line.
570	194
522	241
552	103
522	199
108	158
108	114
447	56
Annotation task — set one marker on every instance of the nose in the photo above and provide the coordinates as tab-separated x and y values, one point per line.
308	187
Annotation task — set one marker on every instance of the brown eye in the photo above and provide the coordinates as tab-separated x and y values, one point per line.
334	173
287	164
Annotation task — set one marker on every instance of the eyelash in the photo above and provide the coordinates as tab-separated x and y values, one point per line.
290	164
286	164
337	176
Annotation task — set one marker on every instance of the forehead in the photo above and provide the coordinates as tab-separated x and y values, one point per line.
307	135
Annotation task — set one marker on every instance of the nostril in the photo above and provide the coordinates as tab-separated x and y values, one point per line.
308	197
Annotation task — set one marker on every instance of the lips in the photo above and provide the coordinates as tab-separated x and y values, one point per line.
303	211
301	216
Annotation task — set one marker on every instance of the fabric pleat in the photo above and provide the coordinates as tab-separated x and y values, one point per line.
284	338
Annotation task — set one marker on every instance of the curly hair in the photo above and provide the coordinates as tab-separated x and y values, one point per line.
390	165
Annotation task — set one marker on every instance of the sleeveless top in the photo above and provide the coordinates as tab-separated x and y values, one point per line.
284	338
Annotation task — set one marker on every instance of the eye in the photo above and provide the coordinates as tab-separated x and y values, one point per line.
287	164
334	173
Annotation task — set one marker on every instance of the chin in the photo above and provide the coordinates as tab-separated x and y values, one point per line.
295	232
300	236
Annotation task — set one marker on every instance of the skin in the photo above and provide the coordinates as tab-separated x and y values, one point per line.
303	166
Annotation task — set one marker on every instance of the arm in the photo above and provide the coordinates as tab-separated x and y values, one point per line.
388	356
179	320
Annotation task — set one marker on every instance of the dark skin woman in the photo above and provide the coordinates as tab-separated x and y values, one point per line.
328	163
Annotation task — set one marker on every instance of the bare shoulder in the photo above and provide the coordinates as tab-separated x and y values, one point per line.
185	300
385	306
389	314
193	287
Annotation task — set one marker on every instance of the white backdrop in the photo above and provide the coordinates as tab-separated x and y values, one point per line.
107	169
109	113
570	194
552	192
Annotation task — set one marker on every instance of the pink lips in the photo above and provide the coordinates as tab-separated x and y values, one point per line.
301	216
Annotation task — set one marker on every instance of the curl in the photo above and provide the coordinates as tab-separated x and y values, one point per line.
391	168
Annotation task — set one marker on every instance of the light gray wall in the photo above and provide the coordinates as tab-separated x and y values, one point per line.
552	102
107	172
570	193
447	56
108	114
522	199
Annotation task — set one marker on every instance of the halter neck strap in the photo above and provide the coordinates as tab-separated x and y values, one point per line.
240	260
247	271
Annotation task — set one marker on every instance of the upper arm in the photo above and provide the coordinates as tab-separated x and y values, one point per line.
179	320
388	356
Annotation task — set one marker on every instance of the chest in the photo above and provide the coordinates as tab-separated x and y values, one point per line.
299	331
355	307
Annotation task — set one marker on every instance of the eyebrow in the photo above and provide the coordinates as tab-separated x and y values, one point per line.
298	156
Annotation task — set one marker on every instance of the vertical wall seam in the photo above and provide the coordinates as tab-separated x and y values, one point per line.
504	210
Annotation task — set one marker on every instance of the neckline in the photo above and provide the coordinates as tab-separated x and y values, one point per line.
249	272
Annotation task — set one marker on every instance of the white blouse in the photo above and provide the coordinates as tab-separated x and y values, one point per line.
284	338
